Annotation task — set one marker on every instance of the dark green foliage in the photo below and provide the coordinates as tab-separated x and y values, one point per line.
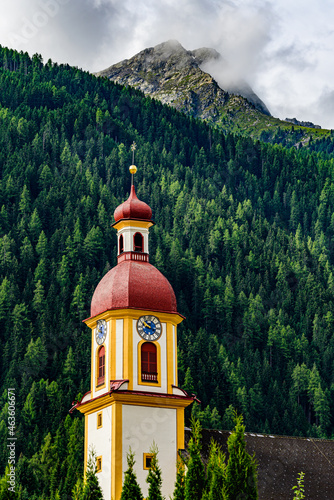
231	481
195	477
91	490
154	477
215	474
8	486
241	470
131	489
179	490
244	232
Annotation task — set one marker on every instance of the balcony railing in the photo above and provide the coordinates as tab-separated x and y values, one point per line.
149	377
143	257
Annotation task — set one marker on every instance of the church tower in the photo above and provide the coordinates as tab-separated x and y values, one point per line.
133	399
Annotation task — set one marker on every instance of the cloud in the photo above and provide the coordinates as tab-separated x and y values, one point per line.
283	49
324	107
65	30
292	56
96	33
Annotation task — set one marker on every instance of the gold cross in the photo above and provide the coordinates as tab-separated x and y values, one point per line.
133	148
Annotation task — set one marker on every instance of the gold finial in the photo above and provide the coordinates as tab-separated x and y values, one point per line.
133	168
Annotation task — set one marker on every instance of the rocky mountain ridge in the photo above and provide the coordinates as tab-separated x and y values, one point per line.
302	123
184	80
173	75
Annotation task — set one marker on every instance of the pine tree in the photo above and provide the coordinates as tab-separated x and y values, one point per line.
131	489
92	489
179	490
7	490
189	382
195	478
77	491
241	475
216	473
154	476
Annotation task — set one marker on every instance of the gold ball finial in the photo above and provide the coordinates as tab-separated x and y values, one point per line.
133	168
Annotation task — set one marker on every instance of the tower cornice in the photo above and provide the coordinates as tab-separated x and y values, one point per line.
134	398
134	313
122	223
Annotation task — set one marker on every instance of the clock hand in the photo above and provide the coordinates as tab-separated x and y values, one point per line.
145	324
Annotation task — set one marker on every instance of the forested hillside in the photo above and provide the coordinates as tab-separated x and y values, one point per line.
244	232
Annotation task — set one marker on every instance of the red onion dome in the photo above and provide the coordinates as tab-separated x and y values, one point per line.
133	208
135	285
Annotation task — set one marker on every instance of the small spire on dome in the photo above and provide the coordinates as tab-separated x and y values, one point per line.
133	208
133	168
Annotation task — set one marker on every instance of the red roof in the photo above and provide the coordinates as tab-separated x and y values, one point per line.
136	285
133	208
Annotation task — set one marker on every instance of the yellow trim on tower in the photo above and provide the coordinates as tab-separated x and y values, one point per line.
139	381
86	445
128	351
92	368
180	428
99	420
132	223
99	464
145	456
101	386
170	358
130	398
175	354
112	350
116	451
175	318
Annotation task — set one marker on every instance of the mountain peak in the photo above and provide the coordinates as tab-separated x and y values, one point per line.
169	47
205	54
182	79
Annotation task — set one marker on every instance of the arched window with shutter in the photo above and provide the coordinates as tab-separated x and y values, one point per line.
121	244
101	369
149	372
138	243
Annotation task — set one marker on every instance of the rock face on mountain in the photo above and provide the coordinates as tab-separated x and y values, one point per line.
174	75
302	124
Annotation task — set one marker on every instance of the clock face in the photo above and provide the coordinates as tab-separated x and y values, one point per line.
101	331
149	327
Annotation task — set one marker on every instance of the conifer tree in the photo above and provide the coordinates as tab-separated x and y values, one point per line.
56	496
216	473
7	491
195	478
77	491
131	489
92	489
154	476
179	490
241	474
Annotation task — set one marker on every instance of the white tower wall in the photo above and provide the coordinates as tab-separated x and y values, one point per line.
128	235
142	426
100	441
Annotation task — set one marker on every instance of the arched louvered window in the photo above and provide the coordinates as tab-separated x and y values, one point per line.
149	362
101	366
121	244
138	242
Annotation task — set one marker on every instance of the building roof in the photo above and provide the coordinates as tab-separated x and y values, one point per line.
280	459
135	285
133	208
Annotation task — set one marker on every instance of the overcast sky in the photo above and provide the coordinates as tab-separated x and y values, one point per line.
283	48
